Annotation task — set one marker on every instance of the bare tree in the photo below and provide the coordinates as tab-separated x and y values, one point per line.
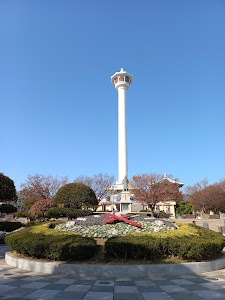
197	196
148	189
41	187
215	197
222	184
206	198
100	183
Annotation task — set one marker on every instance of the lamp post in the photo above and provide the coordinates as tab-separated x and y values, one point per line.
112	193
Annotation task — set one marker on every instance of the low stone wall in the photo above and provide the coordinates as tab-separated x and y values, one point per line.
214	224
136	271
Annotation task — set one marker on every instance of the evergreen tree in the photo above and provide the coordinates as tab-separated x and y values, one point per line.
7	189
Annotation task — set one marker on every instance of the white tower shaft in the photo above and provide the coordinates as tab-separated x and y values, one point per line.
122	134
122	81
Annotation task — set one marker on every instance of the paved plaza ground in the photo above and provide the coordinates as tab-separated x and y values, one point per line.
17	284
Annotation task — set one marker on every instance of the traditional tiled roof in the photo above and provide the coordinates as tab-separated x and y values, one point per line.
167	180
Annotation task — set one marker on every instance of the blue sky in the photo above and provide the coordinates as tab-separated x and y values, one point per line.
59	108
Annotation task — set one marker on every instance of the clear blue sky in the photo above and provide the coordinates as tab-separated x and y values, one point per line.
59	108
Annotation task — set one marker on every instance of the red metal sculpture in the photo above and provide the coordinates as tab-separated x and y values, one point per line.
113	218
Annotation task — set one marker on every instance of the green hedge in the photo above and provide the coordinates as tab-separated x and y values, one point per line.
128	247
22	214
204	244
10	226
40	241
7	208
59	212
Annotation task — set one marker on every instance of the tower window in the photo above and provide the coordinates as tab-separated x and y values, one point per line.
115	80
127	79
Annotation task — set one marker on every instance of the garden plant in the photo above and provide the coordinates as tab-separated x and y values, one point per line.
154	240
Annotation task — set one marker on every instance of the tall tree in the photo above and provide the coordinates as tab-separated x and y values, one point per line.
7	189
183	208
148	190
215	196
41	187
76	195
197	196
100	183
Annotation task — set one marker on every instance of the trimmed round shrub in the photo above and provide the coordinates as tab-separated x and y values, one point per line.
7	208
76	213
161	215
43	242
189	242
62	212
76	196
57	212
10	226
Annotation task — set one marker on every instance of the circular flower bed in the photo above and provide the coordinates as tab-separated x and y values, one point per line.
94	226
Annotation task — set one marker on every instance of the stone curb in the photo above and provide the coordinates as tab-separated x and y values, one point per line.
135	271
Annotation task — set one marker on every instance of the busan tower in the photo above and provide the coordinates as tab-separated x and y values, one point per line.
122	81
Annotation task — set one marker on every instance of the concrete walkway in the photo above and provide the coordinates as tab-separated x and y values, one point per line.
18	284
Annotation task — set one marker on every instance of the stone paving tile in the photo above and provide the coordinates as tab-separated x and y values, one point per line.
198	280
184	296
210	285
30	278
124	283
104	282
222	291
54	286
98	296
106	278
146	289
5	288
163	282
18	292
60	298
48	279
64	281
144	283
78	288
84	282
101	289
186	276
35	284
17	283
122	278
155	278
151	289
192	287
42	294
173	288
70	295
126	289
7	281
209	294
157	296
181	281
128	296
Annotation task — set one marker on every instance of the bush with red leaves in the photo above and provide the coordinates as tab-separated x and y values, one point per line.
38	209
